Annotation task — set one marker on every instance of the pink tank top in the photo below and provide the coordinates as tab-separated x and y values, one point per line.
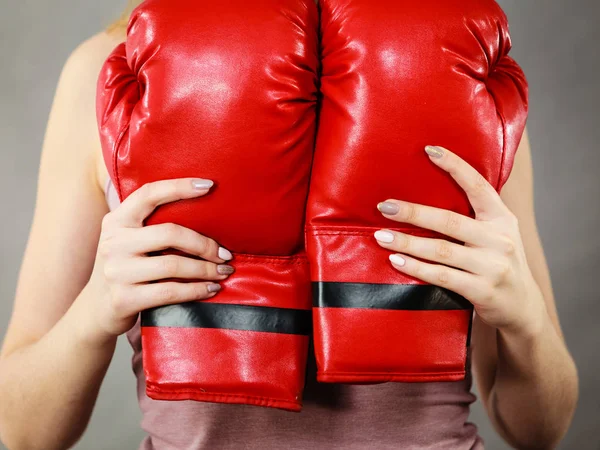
334	416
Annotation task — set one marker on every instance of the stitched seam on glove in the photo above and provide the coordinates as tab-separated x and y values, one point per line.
353	232
392	374
198	393
503	122
115	165
292	260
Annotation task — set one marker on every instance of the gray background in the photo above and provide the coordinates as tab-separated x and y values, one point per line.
554	40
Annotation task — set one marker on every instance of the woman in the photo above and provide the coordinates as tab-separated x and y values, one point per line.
85	286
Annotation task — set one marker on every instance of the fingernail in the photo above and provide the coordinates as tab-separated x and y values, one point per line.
200	184
384	236
225	254
213	287
434	151
397	260
388	208
224	269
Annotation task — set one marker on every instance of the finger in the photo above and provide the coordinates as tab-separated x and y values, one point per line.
153	238
471	259
470	286
481	194
144	296
142	202
448	223
154	268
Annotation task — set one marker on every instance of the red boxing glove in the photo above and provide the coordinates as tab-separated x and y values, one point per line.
396	76
227	92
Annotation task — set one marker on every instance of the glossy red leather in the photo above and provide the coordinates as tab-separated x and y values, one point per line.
227	92
404	347
236	366
397	76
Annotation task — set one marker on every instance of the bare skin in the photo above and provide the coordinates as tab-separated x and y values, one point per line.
525	374
85	277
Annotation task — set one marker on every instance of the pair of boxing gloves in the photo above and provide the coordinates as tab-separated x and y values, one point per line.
306	117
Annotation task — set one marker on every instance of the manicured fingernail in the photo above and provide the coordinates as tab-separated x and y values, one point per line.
225	254
213	287
384	236
200	184
397	260
224	269
434	151
388	208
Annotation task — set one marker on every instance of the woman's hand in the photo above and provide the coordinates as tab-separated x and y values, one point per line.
124	275
490	270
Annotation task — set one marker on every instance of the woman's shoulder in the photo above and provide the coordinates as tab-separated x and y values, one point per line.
95	49
82	66
77	89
